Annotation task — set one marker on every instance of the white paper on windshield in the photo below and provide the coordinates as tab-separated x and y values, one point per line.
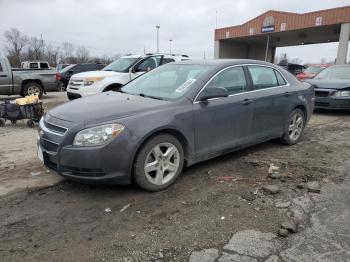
182	88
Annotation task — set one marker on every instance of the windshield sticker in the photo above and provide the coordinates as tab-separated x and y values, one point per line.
182	88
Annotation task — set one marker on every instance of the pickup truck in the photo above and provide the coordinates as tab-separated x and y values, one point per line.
25	82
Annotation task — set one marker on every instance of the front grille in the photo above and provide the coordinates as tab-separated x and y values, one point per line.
49	145
321	93
321	104
82	172
55	128
75	83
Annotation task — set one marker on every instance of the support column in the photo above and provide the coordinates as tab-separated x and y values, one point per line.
343	44
216	49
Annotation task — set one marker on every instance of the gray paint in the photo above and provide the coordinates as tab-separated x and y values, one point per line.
205	128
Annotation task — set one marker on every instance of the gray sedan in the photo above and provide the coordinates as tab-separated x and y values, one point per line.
172	117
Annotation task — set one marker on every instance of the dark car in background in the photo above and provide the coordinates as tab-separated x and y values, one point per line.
65	74
293	68
332	88
176	115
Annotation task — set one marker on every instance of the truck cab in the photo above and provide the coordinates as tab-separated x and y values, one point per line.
117	74
5	77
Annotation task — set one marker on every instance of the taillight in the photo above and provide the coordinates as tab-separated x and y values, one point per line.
58	76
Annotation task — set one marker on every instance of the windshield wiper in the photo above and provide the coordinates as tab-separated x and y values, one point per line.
154	97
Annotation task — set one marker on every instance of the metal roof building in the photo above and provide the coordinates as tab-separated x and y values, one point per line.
259	37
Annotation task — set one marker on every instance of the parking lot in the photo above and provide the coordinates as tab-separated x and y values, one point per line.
45	218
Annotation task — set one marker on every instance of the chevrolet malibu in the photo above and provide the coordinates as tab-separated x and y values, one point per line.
172	117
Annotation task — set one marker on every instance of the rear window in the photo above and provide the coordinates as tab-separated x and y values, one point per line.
33	65
280	79
44	65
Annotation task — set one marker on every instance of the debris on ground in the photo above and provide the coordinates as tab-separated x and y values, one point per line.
108	209
290	225
272	189
283	232
227	179
313	187
282	204
35	173
273	168
248	195
125	208
275	175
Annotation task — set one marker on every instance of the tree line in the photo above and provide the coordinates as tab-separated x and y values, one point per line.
20	47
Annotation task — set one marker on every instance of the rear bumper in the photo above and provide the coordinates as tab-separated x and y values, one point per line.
332	103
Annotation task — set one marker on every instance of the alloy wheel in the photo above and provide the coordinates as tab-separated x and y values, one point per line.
296	126
162	163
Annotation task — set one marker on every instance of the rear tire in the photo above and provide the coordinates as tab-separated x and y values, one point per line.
294	127
158	163
33	88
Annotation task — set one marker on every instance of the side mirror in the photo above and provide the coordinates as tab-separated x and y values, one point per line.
213	92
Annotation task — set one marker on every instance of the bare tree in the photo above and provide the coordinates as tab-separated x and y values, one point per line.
67	53
15	42
35	49
82	54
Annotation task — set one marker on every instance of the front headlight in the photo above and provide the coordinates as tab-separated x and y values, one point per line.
98	135
91	80
342	93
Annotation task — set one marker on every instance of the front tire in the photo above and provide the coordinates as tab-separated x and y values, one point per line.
33	88
158	163
294	127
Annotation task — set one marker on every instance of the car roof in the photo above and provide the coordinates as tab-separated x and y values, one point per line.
223	62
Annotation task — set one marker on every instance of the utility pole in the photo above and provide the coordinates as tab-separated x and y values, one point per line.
267	46
42	44
170	40
157	27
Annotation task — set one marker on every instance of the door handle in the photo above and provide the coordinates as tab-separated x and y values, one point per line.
247	101
3	75
287	94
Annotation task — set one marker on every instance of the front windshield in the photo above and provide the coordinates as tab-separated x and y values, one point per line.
67	68
121	65
167	82
313	69
335	72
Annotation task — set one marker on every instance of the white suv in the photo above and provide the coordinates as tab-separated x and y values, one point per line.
117	74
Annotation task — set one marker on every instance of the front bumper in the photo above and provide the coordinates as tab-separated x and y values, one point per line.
83	90
108	164
332	103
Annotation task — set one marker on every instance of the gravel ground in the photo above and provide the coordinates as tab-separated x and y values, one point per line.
66	221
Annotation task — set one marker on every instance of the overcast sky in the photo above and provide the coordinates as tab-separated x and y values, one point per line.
108	27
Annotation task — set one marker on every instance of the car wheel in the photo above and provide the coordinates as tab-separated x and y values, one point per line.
294	127
33	88
158	163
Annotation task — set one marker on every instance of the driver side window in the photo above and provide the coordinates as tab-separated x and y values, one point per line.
148	64
232	79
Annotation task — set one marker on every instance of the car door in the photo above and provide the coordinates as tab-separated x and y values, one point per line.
145	65
270	101
5	81
224	123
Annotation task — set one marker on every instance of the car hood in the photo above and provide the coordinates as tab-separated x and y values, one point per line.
330	83
105	107
97	74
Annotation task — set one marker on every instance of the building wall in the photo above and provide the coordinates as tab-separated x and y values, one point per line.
225	49
293	21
